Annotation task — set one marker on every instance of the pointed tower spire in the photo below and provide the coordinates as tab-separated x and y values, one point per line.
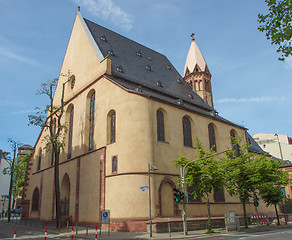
197	74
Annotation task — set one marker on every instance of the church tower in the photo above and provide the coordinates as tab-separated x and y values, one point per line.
197	74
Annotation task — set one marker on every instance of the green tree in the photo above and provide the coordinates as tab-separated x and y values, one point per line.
19	174
10	170
205	175
277	25
270	179
239	177
50	120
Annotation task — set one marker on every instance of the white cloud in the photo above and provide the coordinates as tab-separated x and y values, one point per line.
8	53
107	10
23	112
253	99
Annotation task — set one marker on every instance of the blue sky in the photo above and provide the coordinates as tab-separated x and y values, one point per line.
250	86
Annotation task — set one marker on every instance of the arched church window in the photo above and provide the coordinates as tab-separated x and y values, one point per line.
187	132
160	126
212	138
70	133
35	200
113	127
39	160
91	121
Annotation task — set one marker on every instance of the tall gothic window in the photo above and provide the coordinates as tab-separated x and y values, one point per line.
39	160
212	138
54	132
113	127
160	126
219	195
187	132
232	135
191	197
70	133
35	200
91	121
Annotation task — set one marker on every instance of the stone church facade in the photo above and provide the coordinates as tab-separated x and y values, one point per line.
126	108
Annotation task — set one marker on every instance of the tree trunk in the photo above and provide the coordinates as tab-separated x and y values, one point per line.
11	181
209	212
244	214
277	214
57	189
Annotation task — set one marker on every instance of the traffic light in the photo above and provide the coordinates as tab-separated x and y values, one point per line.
176	194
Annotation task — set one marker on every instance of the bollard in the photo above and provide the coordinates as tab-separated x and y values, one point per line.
169	230
76	228
14	235
96	232
67	225
72	232
46	229
86	229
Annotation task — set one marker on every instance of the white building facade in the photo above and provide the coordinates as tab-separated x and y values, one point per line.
278	145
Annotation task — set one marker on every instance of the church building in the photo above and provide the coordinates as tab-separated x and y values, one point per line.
125	108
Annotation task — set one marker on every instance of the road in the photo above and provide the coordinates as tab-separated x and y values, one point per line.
268	233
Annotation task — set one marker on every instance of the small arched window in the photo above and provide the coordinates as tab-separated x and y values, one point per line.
115	164
91	121
39	160
113	127
187	132
35	200
212	138
70	133
160	126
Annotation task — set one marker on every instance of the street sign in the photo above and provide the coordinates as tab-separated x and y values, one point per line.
144	188
105	217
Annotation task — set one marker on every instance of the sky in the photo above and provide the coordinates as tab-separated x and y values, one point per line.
250	86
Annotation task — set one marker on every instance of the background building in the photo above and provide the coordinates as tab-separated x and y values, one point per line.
278	145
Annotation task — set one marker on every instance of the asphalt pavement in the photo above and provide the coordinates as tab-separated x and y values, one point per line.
38	228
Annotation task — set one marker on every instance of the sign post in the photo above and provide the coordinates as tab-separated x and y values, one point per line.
105	219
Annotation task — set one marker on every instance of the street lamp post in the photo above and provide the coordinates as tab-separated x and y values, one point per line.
150	168
183	169
276	135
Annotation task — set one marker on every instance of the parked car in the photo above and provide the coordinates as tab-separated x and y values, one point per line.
16	211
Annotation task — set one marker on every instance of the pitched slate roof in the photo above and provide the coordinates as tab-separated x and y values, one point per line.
253	147
145	71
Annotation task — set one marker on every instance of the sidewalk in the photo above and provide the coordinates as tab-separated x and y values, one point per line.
89	233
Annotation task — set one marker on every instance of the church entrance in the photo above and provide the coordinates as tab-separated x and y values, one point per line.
65	195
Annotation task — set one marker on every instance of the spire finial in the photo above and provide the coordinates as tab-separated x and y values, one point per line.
192	35
78	8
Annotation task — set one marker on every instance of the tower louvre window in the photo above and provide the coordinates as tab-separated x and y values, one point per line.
113	127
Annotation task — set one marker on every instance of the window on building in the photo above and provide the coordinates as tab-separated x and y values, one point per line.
54	132
91	121
219	195
187	132
70	133
113	127
160	126
35	200
233	136
191	197
283	191
212	138
39	160
115	164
